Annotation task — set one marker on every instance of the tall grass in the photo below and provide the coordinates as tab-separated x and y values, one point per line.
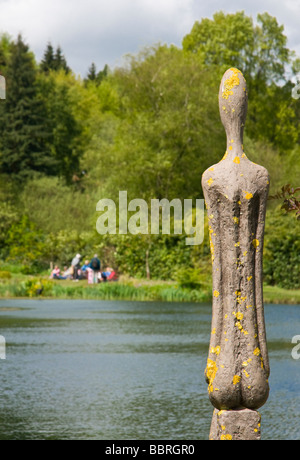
105	291
117	291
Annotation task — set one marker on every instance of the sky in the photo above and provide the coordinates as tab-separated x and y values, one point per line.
103	31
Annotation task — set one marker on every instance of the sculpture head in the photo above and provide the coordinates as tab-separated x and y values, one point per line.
233	103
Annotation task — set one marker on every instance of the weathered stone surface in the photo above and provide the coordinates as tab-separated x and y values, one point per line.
236	192
236	425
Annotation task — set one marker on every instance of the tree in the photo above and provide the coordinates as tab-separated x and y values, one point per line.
95	76
48	62
102	74
5	51
65	132
168	133
53	61
260	52
92	74
24	133
232	40
60	62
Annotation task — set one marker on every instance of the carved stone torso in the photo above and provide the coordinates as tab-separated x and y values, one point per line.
236	192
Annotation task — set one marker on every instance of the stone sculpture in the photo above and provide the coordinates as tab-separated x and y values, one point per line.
236	192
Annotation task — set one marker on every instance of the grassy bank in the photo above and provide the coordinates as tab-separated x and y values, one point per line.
142	291
22	286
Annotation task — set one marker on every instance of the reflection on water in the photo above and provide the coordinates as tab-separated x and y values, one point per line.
127	370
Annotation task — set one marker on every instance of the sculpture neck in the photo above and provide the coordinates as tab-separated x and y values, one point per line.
235	141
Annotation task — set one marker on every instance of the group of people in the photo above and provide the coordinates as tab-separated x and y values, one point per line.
89	270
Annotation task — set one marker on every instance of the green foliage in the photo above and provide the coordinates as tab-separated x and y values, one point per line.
46	199
53	61
150	127
189	278
64	140
23	129
25	243
96	77
36	287
4	275
5	52
282	250
164	128
260	52
232	40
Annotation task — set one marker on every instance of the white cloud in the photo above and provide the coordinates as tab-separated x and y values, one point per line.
104	30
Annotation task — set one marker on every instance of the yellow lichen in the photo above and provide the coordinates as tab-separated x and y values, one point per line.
216	294
236	379
216	350
248	195
211	372
230	83
238	325
255	243
209	182
256	352
237	160
226	437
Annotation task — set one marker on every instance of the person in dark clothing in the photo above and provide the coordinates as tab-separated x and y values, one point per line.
76	266
95	265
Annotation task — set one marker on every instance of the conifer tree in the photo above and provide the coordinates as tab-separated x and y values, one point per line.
54	61
60	61
48	62
24	135
92	74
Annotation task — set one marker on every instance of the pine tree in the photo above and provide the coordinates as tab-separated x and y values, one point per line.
102	74
54	61
92	74
24	134
48	62
95	76
60	61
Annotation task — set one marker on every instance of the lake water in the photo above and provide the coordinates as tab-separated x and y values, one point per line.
127	370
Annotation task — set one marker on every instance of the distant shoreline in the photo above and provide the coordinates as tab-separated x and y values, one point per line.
131	290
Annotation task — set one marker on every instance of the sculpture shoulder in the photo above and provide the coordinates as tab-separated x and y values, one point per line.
234	174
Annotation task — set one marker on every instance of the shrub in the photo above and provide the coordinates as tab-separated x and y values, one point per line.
4	275
282	250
